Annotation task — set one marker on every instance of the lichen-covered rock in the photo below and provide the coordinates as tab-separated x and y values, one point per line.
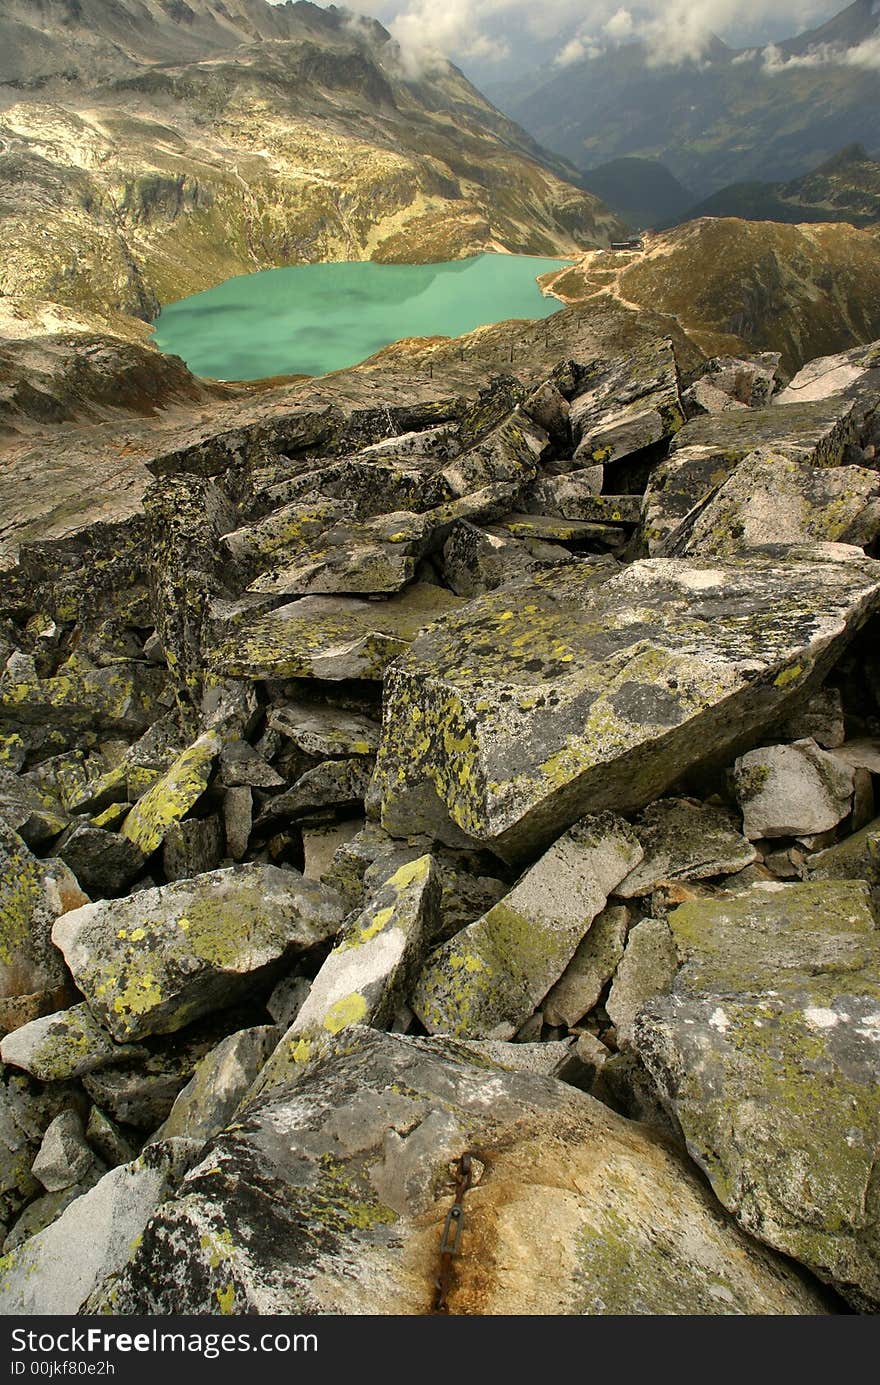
857	857
25	1114
647	968
192	847
629	403
330	1193
220	1080
772	499
590	969
153	962
578	691
684	839
767	1052
55	1271
792	790
325	731
64	1157
369	971
172	796
32	895
480	560
37	816
379	556
510	452
332	784
67	1044
332	637
490	977
707	450
121	697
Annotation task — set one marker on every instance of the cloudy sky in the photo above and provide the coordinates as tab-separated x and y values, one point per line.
507	35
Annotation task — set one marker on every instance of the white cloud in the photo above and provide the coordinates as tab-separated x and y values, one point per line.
620	25
865	55
674	31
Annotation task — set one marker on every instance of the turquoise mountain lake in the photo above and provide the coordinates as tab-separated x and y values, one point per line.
310	319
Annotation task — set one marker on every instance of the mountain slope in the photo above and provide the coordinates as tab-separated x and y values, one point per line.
642	191
731	285
154	147
846	188
734	116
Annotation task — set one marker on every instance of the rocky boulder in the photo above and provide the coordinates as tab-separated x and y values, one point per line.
153	962
330	1194
767	1053
510	719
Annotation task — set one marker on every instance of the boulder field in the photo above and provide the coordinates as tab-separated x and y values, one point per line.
464	807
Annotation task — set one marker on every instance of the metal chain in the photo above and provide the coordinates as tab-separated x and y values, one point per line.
450	1241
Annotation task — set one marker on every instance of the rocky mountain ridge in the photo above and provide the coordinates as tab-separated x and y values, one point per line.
844	188
438	779
734	285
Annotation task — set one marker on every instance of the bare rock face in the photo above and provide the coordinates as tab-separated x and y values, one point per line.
535	704
330	1194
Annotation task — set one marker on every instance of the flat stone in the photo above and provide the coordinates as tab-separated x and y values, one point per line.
491	976
325	731
156	961
331	637
792	790
173	795
330	1192
65	1045
590	969
767	1054
578	691
647	968
685	840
